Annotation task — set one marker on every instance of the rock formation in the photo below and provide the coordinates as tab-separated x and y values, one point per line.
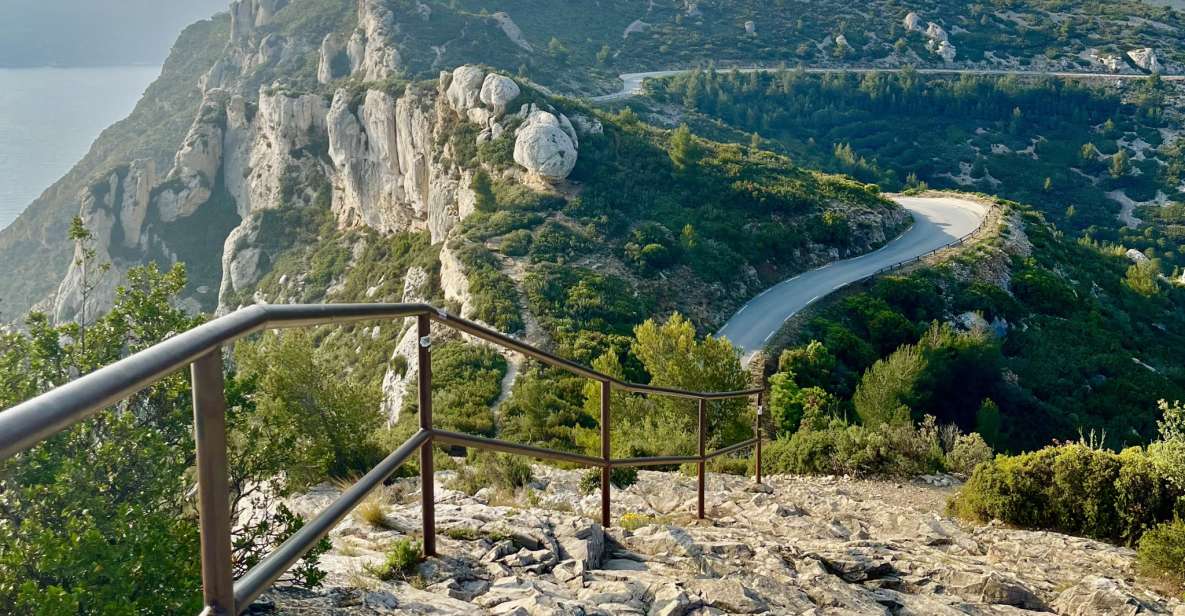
939	43
1145	58
382	160
545	148
798	545
512	31
371	50
912	22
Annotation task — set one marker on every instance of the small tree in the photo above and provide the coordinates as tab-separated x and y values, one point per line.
684	153
91	270
483	187
1120	164
1143	278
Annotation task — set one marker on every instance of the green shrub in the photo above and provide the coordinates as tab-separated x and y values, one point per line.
969	451
900	450
619	477
1162	551
517	243
401	560
502	472
1073	489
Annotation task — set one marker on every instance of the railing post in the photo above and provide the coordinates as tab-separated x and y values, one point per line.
606	470
213	488
703	429
757	433
427	476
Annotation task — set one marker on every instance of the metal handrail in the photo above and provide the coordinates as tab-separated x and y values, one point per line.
30	422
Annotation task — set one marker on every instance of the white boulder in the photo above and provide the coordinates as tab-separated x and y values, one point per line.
1145	58
498	91
934	32
544	148
912	22
464	92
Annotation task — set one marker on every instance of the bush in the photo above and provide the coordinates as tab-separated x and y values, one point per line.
1162	551
899	450
405	554
503	472
620	477
1072	489
517	243
969	451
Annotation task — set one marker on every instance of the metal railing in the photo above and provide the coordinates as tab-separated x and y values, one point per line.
29	423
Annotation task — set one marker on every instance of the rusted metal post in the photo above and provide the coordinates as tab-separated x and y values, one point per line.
757	434
703	429
606	470
427	478
213	489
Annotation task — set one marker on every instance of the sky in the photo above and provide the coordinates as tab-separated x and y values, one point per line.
79	33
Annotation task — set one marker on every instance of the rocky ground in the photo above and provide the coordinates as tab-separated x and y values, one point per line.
797	545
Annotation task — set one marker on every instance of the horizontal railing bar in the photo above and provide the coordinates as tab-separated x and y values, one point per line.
262	575
481	442
653	461
32	421
731	448
35	420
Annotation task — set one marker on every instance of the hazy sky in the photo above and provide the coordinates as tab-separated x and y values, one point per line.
95	32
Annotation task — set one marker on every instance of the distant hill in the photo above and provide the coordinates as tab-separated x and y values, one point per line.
94	33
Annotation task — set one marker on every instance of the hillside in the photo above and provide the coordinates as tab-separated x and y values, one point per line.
1099	159
571	47
1061	338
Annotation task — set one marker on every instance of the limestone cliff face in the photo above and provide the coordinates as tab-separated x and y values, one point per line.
380	160
391	174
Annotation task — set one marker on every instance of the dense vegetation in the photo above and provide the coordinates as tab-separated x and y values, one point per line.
1082	340
1136	496
101	518
1067	147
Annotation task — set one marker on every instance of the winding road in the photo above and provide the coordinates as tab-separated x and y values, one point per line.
631	83
938	222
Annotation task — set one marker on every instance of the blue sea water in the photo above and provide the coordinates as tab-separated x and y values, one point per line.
48	119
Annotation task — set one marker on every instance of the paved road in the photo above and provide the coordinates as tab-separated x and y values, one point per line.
938	221
632	82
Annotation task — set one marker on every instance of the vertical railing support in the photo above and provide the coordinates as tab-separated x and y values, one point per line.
606	470
703	429
213	488
757	434
427	476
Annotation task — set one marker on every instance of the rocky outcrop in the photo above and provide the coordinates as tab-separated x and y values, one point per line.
497	92
248	15
546	146
136	195
512	31
371	49
189	183
1112	62
333	61
939	43
391	174
464	90
912	22
797	545
1145	58
384	161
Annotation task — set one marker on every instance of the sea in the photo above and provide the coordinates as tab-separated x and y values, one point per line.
48	119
